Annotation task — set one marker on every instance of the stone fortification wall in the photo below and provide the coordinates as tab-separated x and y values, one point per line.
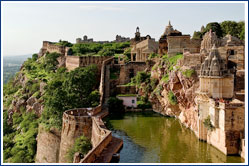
130	70
176	44
100	139
48	146
76	122
105	79
51	47
73	62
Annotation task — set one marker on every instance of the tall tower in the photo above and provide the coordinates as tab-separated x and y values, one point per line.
137	34
75	123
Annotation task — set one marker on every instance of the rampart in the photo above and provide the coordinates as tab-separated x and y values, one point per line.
101	138
73	62
51	47
76	122
105	80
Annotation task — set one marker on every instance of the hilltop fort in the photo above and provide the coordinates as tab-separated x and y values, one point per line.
199	81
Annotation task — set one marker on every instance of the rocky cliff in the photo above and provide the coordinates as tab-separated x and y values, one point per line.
174	94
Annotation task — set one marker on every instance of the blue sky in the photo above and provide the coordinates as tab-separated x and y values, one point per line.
26	25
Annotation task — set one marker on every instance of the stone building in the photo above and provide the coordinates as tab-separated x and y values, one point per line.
141	51
138	38
120	38
216	103
230	48
84	40
215	80
173	42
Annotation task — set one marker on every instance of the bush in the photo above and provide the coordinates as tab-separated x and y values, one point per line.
64	43
208	124
115	105
107	51
143	103
81	145
188	73
94	98
165	78
34	57
152	55
172	98
142	77
20	145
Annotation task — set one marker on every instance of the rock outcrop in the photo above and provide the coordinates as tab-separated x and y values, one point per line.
182	87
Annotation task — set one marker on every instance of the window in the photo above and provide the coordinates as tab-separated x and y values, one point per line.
133	101
231	52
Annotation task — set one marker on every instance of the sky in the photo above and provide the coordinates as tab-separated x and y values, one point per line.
25	25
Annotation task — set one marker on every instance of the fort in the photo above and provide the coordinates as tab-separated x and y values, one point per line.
218	62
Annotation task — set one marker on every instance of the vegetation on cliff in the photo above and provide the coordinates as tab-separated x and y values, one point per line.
39	94
67	90
19	139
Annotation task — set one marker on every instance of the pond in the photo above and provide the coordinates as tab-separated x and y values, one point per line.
151	138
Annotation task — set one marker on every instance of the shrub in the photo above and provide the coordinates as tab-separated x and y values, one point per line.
172	98
143	103
152	55
34	57
208	124
142	77
188	73
115	105
165	78
94	98
81	145
21	146
153	83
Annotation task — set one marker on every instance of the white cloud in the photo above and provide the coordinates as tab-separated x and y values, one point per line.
100	7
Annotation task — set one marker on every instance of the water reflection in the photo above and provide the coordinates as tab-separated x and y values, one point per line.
151	138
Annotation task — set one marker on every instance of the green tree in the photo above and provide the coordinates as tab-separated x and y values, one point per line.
69	90
241	27
215	26
230	27
197	35
115	105
34	57
51	61
107	51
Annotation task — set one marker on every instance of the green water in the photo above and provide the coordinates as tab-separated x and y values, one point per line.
151	138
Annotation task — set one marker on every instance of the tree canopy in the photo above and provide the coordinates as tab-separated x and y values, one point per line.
236	29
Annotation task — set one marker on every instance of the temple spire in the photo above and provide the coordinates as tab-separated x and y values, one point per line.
169	24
